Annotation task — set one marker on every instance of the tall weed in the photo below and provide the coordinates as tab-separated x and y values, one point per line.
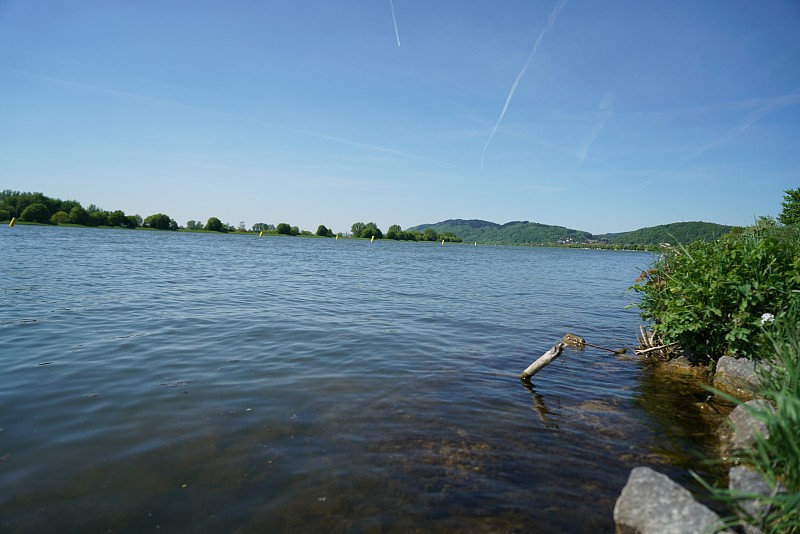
777	457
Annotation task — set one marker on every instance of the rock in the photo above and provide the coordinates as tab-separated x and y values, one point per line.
744	480
687	366
651	503
739	431
737	377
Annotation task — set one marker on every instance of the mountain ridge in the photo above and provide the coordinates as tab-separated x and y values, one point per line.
533	233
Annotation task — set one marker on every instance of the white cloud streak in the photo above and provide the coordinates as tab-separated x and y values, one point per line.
604	112
789	99
550	21
394	20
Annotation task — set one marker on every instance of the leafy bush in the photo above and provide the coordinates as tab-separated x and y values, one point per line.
710	297
60	217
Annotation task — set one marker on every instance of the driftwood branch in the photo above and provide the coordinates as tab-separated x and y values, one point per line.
650	343
554	352
659	347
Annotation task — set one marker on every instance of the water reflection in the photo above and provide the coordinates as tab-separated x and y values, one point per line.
685	416
545	415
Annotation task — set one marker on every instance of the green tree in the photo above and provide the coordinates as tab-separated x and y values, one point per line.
78	215
214	225
394	232
36	213
284	228
67	205
357	228
60	217
98	218
324	231
295	230
371	230
133	221
791	207
263	227
116	218
430	235
159	221
450	237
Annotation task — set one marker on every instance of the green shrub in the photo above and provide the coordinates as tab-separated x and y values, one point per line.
710	297
60	217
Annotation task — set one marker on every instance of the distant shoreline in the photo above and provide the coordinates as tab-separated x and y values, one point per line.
585	246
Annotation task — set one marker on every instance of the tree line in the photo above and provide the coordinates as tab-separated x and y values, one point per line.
370	230
39	208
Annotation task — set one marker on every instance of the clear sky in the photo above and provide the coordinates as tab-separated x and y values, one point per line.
599	116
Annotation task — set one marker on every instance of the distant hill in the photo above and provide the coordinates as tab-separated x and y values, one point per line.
682	232
510	233
530	233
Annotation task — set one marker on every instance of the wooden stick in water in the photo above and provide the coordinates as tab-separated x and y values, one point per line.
554	352
617	351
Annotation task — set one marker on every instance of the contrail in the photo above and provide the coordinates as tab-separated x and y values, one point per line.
394	20
790	99
604	112
550	21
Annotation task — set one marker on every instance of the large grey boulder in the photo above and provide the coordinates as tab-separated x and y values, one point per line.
740	430
651	503
737	377
744	481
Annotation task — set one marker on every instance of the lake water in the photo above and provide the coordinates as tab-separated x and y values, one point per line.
226	383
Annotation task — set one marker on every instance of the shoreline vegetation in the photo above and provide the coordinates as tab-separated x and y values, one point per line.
738	299
37	208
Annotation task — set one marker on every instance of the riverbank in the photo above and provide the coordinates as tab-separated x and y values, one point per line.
651	502
736	303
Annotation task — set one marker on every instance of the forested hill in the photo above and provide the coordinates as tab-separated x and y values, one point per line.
530	233
511	233
682	232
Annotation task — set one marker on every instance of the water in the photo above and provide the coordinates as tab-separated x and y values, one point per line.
223	383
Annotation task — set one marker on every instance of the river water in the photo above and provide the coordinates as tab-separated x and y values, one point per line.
228	383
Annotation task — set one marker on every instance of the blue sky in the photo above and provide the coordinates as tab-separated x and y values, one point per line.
600	116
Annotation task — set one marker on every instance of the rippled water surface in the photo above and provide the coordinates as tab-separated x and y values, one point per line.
226	383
